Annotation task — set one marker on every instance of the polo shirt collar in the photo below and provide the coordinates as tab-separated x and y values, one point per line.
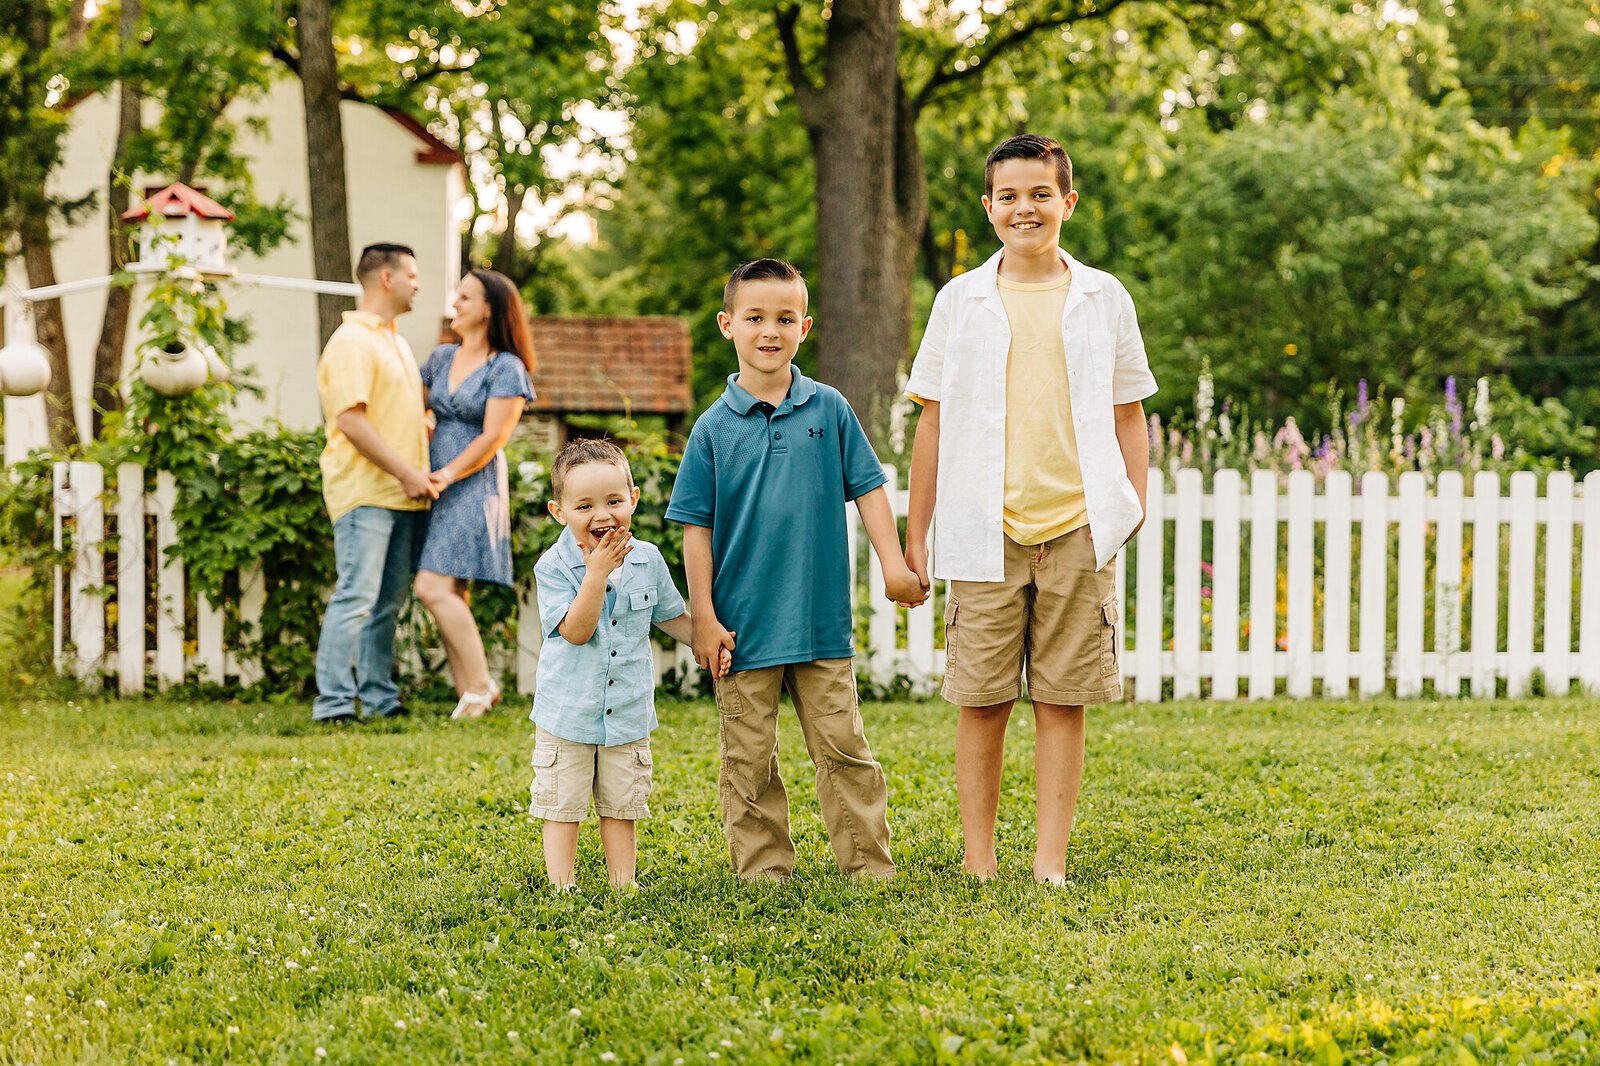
370	320
801	389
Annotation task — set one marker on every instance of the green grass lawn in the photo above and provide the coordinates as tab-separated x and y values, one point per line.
1267	882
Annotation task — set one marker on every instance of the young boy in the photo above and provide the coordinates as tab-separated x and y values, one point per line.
599	591
761	492
1032	440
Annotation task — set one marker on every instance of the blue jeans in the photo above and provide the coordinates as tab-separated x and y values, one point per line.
375	551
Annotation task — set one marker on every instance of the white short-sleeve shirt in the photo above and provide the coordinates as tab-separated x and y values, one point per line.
961	365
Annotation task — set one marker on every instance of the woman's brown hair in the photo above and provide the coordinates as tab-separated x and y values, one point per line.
508	322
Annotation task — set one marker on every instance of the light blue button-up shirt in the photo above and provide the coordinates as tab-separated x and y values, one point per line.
601	692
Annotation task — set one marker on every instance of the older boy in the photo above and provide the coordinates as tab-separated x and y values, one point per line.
375	484
761	492
1032	441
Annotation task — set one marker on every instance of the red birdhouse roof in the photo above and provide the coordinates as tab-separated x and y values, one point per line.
176	201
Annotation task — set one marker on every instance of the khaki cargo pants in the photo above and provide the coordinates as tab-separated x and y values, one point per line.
851	788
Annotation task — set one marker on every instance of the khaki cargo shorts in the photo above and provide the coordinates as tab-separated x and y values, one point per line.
1054	615
566	774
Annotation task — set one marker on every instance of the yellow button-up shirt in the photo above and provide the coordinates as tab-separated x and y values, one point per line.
367	362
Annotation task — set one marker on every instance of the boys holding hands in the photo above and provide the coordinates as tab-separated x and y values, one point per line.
1032	446
761	492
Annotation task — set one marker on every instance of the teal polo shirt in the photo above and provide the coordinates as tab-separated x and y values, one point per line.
772	484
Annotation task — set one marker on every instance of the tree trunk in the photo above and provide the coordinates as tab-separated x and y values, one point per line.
119	300
330	222
39	262
505	254
864	247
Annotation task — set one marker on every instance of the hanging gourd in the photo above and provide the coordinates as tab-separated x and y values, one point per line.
173	368
24	365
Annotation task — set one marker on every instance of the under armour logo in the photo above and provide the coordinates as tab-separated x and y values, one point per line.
814	433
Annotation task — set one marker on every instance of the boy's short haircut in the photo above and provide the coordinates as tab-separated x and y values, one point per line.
1029	146
381	256
586	450
761	270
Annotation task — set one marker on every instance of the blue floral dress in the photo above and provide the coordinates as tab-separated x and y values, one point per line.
469	527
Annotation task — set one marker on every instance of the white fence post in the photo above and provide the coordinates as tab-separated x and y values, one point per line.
252	600
1519	586
88	569
1558	583
210	656
530	636
1301	583
1263	584
169	596
1447	585
1225	573
1485	668
61	497
1589	591
1186	587
1150	584
1336	587
1373	648
130	579
1410	572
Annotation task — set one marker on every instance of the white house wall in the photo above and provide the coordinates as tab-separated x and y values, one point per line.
392	197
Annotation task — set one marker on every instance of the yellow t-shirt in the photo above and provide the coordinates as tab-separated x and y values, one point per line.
367	362
1044	482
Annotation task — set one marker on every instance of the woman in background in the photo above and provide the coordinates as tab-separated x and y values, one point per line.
477	391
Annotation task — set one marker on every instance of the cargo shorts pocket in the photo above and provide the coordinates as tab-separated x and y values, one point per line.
643	772
1108	636
545	790
730	703
952	608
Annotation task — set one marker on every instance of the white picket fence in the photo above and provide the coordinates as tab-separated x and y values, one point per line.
1335	623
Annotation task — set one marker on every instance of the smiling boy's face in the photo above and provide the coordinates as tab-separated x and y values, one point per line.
595	499
1026	207
767	322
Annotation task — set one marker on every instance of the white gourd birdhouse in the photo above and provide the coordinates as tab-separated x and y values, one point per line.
175	372
179	221
24	364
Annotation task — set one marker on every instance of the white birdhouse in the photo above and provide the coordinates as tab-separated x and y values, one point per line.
24	364
178	221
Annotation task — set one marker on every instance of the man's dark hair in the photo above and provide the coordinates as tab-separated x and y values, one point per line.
760	270
382	256
1029	146
585	450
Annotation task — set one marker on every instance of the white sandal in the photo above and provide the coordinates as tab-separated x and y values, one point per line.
473	705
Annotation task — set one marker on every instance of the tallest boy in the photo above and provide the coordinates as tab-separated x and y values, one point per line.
1032	441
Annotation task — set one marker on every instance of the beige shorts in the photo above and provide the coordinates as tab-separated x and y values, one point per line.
1053	615
566	774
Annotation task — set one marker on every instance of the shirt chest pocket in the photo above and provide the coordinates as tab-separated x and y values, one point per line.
632	615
